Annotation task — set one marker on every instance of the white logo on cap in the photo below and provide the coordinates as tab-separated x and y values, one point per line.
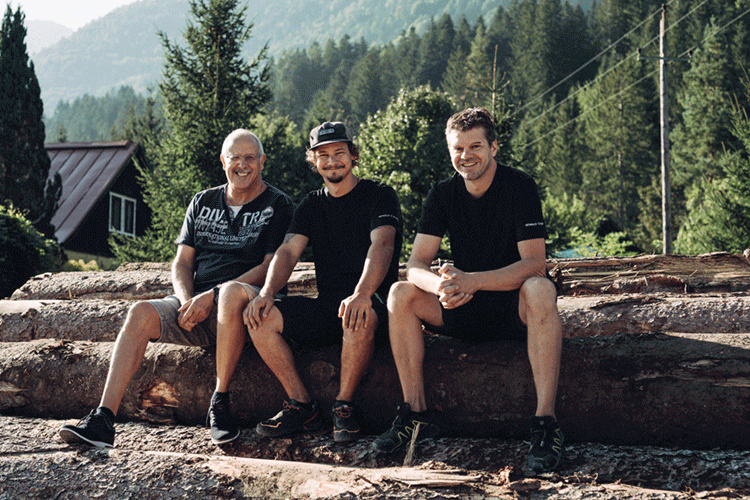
327	131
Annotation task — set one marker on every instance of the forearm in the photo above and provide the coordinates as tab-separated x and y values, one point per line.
510	277
420	274
376	267
279	271
182	281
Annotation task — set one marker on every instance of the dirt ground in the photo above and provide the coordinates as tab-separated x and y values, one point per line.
164	462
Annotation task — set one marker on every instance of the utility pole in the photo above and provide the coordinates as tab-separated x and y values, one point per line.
666	185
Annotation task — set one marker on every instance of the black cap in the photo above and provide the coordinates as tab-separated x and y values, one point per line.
329	132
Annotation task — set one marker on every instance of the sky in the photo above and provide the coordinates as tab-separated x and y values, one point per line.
72	14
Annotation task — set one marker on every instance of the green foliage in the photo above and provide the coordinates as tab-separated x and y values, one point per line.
718	207
207	90
90	118
24	251
80	266
567	221
404	147
24	163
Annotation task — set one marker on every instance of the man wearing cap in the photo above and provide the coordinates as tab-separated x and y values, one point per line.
354	228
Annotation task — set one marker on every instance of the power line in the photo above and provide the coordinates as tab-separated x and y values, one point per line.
581	115
611	45
609	70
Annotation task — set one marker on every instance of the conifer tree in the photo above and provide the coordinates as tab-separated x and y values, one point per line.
24	162
618	135
703	133
208	90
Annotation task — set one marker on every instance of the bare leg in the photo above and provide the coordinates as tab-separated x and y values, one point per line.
408	306
141	326
278	356
231	332
538	309
356	352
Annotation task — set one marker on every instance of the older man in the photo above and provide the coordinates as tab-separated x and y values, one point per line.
228	237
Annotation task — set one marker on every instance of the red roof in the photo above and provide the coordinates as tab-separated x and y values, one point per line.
87	170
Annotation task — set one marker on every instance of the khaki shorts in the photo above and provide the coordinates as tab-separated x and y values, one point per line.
202	335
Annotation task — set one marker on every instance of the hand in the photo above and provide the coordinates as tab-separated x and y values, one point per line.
257	311
355	311
195	310
456	287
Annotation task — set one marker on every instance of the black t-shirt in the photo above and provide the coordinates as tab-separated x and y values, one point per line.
339	233
484	232
226	248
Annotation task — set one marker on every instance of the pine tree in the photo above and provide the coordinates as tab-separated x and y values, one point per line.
24	162
618	135
208	90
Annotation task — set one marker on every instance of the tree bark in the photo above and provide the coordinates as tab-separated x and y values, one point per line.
100	320
688	390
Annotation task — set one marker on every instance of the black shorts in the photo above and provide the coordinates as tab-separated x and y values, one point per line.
314	321
487	316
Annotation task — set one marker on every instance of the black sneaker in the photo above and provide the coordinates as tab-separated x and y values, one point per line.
345	426
546	448
402	429
293	418
95	429
222	424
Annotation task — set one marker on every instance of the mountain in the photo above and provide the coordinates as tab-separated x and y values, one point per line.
43	34
122	48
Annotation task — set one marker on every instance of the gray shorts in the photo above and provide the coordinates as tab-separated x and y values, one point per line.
202	335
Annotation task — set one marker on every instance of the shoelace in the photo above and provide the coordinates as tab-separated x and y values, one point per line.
343	411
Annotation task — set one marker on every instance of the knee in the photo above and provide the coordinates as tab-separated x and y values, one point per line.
401	295
538	296
233	297
142	321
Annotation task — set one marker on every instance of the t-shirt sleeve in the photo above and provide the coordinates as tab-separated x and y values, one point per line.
529	217
387	209
433	220
282	217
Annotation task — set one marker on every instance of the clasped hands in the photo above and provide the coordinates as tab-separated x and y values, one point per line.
456	287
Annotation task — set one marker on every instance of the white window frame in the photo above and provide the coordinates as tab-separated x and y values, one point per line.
123	201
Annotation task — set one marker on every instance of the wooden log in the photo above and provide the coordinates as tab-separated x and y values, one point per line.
672	390
710	273
100	320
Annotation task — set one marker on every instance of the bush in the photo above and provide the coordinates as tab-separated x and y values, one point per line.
24	252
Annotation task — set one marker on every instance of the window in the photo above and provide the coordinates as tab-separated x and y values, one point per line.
121	214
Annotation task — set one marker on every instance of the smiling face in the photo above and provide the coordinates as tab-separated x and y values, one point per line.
334	161
471	155
243	163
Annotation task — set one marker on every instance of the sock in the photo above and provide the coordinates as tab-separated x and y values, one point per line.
107	413
219	397
305	406
339	402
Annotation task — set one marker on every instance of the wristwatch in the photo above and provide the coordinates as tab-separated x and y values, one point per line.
216	294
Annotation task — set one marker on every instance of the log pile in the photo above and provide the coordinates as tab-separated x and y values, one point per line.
656	353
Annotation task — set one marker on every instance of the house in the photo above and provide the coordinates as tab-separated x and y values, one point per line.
100	195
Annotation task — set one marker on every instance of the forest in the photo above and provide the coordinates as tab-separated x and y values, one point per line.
576	94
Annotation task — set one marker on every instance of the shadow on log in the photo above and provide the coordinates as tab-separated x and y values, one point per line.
670	390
